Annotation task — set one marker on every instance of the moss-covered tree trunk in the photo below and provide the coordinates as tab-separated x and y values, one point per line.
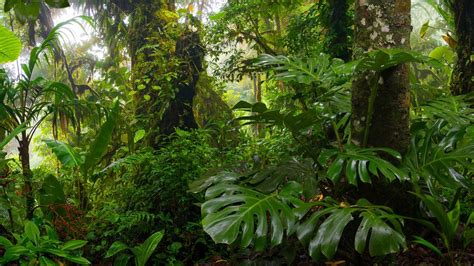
382	24
463	75
161	71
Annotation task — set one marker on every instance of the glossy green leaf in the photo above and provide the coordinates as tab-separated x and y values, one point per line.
99	146
122	260
139	135
232	210
77	259
115	248
13	253
74	244
147	248
65	153
360	163
5	242
334	171
12	135
10	46
351	172
426	243
32	232
384	240
44	261
330	232
454	216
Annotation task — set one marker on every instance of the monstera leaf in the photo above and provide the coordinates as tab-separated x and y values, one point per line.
232	210
10	46
323	230
360	163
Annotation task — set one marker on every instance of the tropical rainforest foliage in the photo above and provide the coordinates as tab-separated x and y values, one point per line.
212	132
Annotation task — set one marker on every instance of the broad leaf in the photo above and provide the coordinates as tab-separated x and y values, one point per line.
12	135
98	148
65	153
379	227
115	248
232	210
329	233
32	232
360	163
74	244
146	249
10	46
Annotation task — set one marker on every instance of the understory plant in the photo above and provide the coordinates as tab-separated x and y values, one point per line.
32	247
263	207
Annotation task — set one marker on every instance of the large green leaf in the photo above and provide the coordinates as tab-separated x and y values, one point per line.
10	46
232	210
329	233
145	250
98	148
13	253
115	248
360	163
65	153
325	227
12	135
384	239
74	244
32	232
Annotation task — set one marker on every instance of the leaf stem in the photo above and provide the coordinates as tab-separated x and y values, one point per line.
370	112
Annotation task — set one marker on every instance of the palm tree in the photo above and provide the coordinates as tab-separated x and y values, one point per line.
29	102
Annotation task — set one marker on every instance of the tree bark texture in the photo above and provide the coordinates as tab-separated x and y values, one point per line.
382	24
24	154
164	70
462	81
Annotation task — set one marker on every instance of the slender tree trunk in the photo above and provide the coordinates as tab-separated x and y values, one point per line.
24	153
339	24
382	24
463	75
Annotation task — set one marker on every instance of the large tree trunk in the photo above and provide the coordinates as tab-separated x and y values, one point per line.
163	69
382	24
463	75
383	119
